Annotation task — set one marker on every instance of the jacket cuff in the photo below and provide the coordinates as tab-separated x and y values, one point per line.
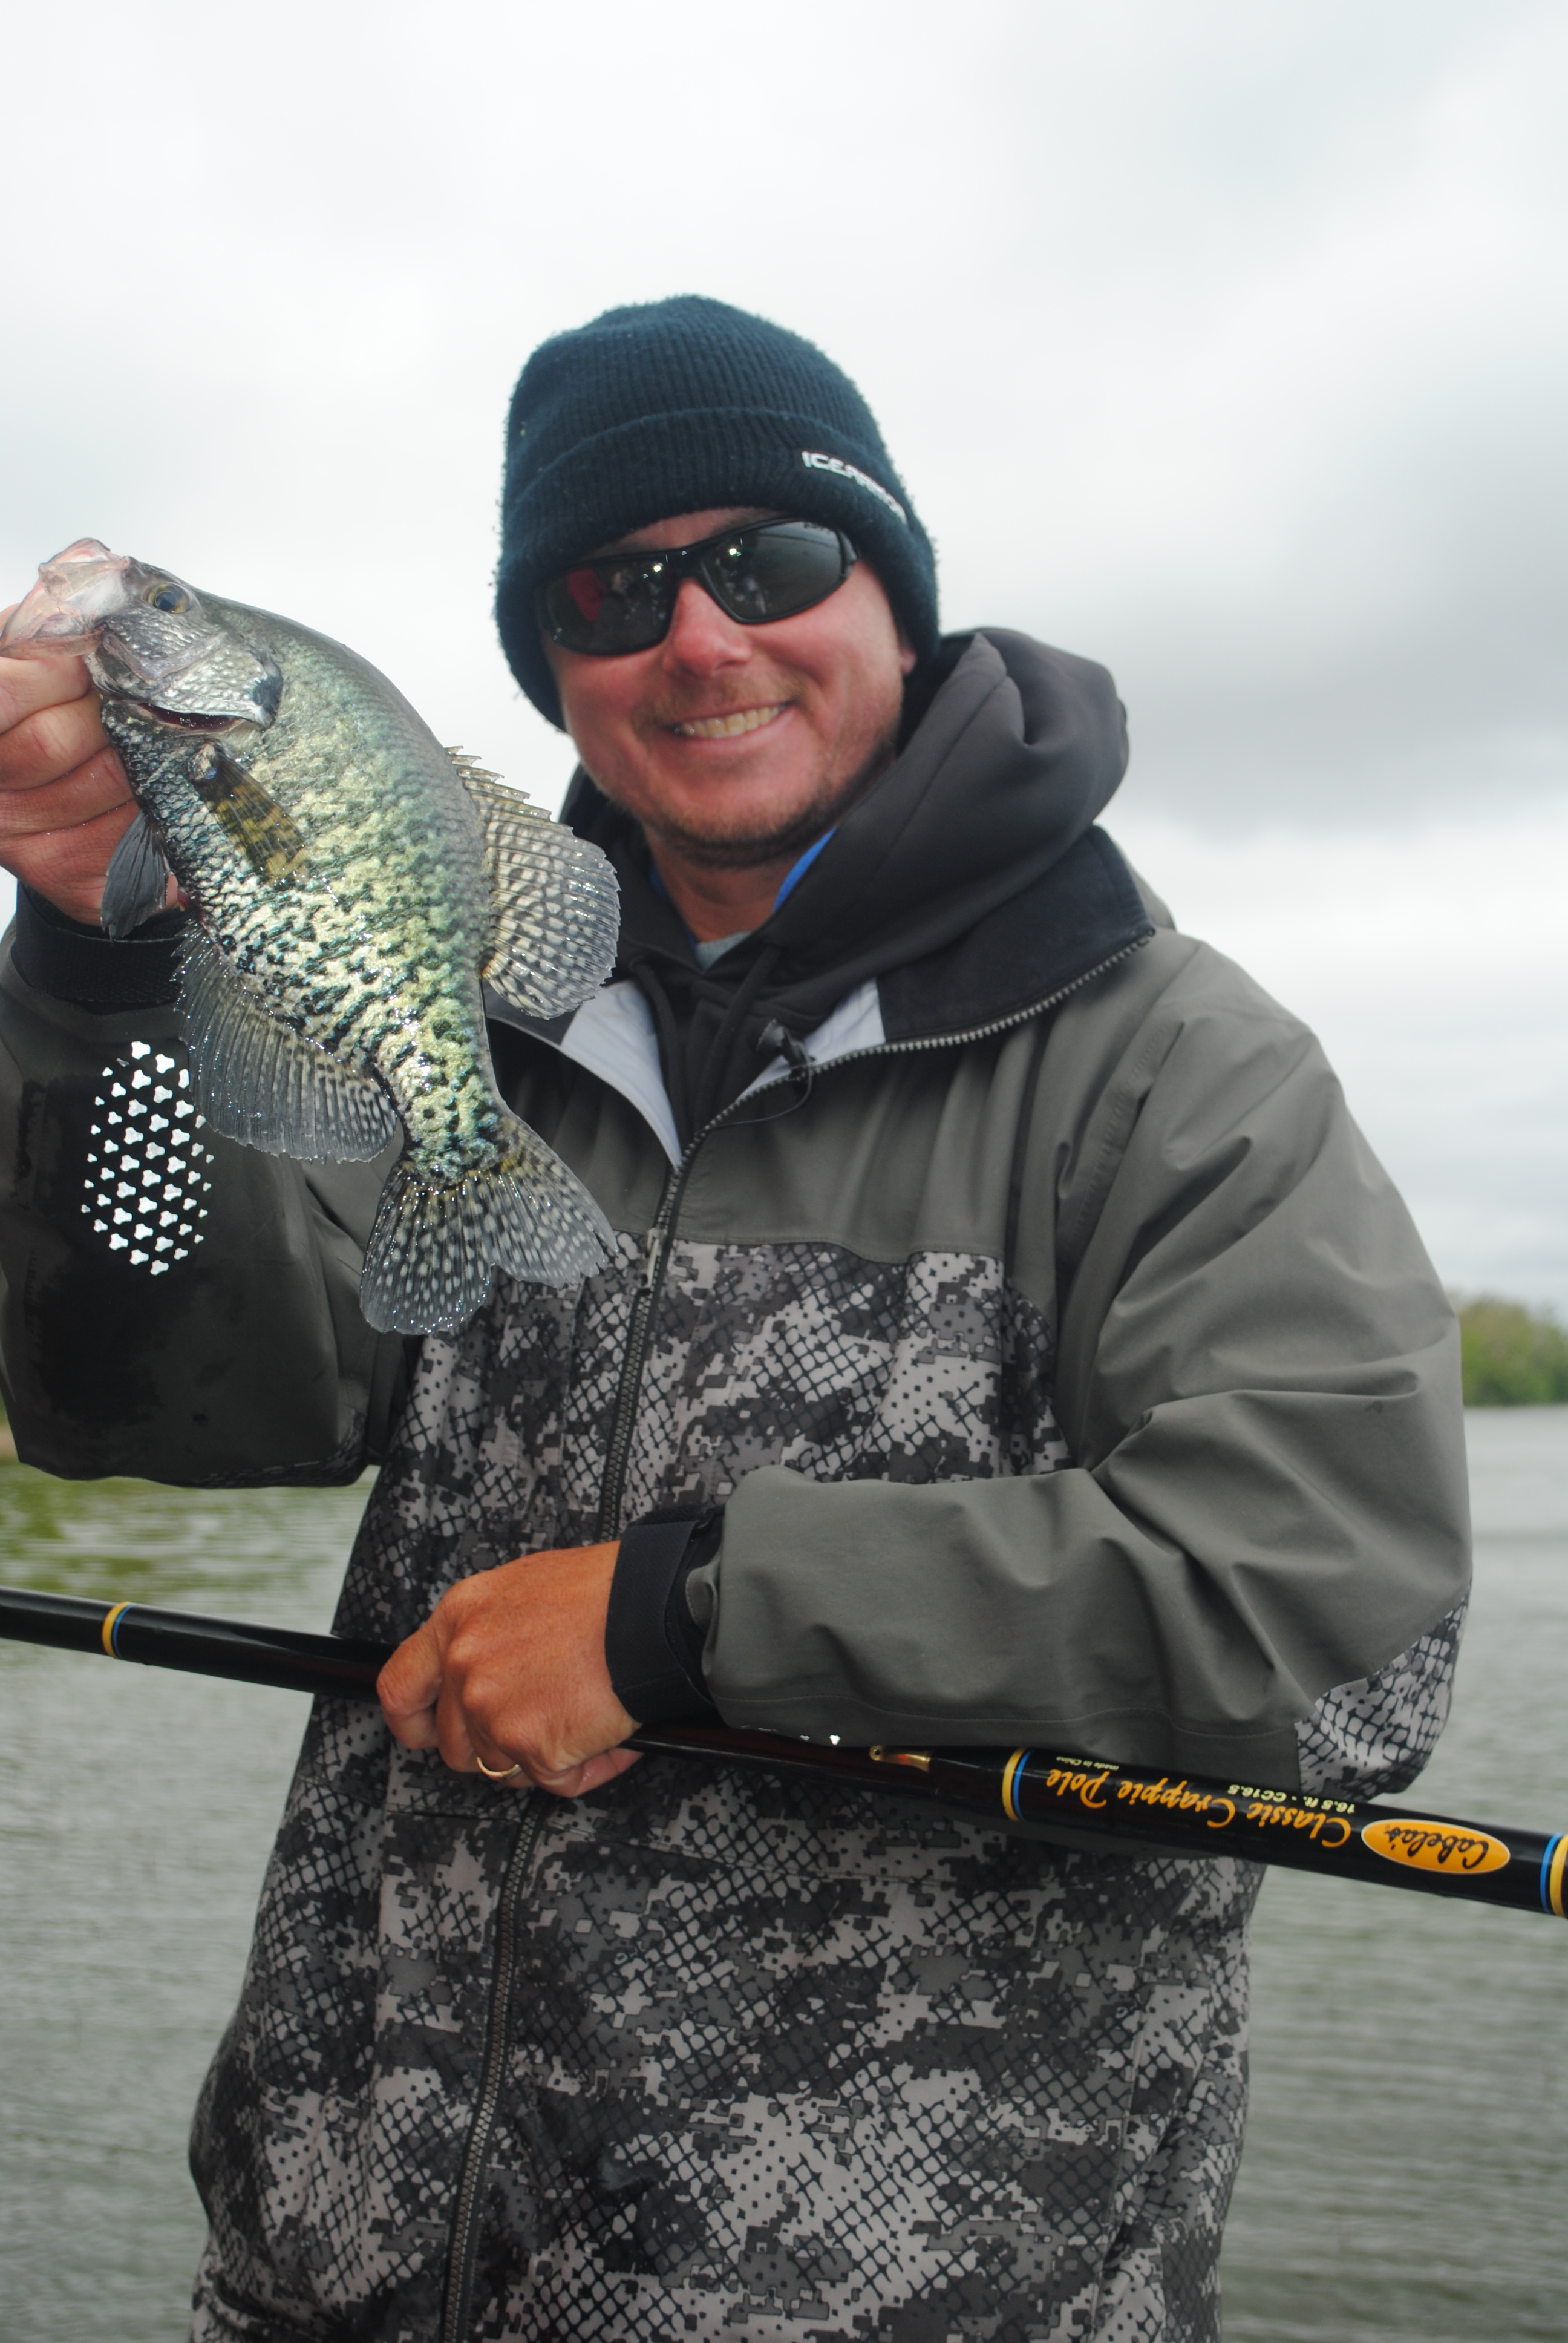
652	1645
90	969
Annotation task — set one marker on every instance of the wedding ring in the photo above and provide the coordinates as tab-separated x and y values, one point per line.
490	1774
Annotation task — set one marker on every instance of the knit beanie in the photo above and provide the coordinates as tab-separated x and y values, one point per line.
683	405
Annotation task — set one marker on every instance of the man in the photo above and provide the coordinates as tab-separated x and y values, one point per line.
1010	1339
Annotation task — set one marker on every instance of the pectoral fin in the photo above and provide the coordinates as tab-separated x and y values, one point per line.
259	1081
557	907
137	880
269	839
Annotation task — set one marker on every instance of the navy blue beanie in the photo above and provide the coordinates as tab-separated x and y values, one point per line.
682	406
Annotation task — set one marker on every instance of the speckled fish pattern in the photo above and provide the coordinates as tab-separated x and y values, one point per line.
356	879
375	945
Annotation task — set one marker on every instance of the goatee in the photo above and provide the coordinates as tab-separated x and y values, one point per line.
749	850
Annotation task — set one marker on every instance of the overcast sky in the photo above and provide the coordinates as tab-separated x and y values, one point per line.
1225	343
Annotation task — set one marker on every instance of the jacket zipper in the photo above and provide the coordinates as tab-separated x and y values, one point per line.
660	1239
650	1277
463	2241
463	2245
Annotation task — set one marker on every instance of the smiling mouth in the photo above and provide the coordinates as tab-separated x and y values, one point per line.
728	727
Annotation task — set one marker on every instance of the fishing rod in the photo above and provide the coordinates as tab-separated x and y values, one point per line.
1339	1838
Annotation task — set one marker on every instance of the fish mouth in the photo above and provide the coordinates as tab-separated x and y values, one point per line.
221	685
730	727
185	723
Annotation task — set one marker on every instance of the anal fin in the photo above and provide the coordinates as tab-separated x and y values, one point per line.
259	1081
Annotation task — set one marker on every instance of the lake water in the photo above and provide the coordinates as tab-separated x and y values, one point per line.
1409	2138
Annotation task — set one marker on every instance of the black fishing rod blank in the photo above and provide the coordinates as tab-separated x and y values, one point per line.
194	1642
1337	1838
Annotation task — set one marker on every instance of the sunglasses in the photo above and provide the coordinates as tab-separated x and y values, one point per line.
769	569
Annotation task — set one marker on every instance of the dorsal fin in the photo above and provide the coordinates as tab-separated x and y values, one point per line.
557	907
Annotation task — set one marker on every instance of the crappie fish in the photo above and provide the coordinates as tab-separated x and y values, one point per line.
352	885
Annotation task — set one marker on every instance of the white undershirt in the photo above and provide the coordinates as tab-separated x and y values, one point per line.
708	953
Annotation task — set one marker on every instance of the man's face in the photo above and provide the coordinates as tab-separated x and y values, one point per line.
734	746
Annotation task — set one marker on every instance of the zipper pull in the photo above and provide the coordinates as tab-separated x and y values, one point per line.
651	1248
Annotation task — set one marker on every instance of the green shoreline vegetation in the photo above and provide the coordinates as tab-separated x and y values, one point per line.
1512	1356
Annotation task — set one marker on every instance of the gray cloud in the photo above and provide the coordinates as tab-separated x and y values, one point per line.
1224	343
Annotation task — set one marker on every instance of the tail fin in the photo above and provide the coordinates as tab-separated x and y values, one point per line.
435	1242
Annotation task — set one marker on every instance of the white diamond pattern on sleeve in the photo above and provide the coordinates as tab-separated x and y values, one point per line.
148	1171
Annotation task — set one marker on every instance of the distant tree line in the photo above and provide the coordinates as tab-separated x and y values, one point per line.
1512	1357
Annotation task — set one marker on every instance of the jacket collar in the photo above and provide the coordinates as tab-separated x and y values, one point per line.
1079	917
968	888
1017	750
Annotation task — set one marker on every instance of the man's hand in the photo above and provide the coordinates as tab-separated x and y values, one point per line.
510	1667
65	803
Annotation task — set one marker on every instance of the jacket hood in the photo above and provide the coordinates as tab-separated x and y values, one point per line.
996	787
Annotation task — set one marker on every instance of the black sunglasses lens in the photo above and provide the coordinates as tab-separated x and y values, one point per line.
605	607
768	571
773	572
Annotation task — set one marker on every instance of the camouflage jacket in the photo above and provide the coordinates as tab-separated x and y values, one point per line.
1070	1373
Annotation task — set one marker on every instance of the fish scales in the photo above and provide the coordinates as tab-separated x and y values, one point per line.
392	901
352	883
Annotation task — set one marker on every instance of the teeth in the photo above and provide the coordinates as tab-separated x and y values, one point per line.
724	727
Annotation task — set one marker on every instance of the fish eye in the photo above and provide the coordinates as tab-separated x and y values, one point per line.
165	595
